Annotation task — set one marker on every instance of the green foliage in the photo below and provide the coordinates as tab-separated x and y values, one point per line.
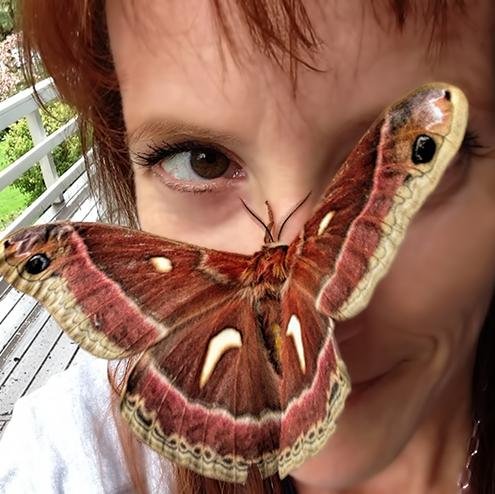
12	203
18	141
3	158
7	17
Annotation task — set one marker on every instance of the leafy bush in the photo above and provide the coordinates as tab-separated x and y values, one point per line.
18	141
7	16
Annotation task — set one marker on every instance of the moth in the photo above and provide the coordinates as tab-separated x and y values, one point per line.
236	362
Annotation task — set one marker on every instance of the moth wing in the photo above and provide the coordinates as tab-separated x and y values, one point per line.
116	291
315	382
352	238
206	395
226	409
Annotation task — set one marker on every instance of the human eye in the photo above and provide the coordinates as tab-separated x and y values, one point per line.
191	166
454	177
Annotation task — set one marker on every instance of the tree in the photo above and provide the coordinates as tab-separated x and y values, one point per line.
11	77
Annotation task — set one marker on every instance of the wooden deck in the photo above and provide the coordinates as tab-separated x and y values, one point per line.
32	347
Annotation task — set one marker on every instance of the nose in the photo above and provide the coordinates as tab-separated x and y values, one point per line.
292	178
287	213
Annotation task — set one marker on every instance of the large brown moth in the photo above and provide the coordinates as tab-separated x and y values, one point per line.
236	363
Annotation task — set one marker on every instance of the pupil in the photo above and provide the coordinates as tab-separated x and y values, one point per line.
37	264
424	149
209	163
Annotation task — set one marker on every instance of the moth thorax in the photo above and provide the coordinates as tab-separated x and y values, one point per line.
269	266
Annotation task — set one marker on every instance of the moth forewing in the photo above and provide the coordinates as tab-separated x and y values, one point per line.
441	114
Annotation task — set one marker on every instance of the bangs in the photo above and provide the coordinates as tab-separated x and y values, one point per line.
282	29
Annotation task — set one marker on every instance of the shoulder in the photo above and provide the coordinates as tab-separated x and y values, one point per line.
62	437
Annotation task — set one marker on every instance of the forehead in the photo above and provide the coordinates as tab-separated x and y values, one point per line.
172	58
195	42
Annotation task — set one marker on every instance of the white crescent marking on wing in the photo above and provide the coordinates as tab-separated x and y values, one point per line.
325	222
294	330
219	344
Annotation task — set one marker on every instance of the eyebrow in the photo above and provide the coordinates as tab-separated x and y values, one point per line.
170	129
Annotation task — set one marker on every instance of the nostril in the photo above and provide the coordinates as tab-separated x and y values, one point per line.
447	95
7	243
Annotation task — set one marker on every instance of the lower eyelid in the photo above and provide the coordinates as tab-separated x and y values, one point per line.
196	186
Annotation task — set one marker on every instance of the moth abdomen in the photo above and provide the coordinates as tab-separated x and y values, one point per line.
268	320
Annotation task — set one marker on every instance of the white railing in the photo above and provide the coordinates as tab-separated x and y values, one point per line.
23	104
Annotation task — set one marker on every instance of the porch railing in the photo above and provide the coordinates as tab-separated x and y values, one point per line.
24	104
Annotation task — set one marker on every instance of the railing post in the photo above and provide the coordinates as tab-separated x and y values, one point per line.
47	164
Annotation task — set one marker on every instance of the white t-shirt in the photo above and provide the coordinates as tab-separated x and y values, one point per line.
62	439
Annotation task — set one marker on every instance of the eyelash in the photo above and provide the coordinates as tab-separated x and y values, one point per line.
471	146
158	153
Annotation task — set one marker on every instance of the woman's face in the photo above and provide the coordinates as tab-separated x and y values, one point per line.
421	326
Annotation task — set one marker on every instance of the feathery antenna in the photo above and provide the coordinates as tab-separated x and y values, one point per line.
271	222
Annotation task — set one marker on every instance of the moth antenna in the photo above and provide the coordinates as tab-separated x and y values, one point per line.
271	222
298	205
268	233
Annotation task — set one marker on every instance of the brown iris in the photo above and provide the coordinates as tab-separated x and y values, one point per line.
208	163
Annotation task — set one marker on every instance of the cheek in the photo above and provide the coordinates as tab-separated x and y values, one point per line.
213	220
446	267
425	315
432	303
